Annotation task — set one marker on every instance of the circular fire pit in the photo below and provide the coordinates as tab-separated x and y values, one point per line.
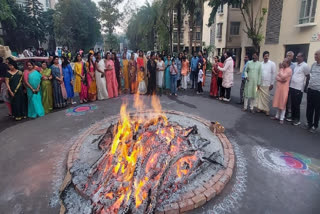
147	162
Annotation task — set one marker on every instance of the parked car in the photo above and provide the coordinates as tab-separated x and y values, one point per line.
22	62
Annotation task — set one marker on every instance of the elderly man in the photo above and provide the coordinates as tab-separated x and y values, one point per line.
290	57
299	76
253	81
267	80
313	96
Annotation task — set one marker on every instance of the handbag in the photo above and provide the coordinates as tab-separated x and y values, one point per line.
63	88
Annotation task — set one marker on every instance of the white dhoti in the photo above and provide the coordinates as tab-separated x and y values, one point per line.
263	99
160	79
184	82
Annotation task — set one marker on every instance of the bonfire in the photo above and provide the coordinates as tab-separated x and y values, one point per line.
146	159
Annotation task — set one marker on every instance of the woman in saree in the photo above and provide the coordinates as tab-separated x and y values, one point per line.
133	74
167	76
80	85
111	78
117	69
100	78
58	84
214	78
14	82
68	79
91	78
125	72
46	88
35	107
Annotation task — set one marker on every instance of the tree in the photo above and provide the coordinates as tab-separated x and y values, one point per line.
17	29
142	27
253	20
6	12
190	7
48	21
110	14
34	9
179	8
112	41
76	24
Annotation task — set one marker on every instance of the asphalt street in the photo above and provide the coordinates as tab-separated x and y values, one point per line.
33	156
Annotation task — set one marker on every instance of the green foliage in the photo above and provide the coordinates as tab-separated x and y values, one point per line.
110	14
18	31
6	12
36	26
210	49
142	26
112	42
76	24
48	21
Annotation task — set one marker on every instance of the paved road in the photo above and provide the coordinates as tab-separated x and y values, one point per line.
33	155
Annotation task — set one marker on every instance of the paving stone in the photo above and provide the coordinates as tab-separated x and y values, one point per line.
186	205
199	200
210	193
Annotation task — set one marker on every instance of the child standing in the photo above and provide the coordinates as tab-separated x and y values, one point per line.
200	80
142	89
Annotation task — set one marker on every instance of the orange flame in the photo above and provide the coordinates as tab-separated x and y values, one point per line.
124	154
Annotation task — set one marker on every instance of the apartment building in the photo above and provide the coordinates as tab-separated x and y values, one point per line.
292	25
289	25
226	32
185	34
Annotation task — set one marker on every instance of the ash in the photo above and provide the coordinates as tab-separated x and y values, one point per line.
74	203
185	161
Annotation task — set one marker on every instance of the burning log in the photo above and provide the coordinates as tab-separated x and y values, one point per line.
155	198
144	163
106	140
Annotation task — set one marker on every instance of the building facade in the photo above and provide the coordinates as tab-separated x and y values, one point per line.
290	25
293	25
185	34
226	32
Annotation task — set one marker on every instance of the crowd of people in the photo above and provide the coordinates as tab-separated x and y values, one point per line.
38	90
258	79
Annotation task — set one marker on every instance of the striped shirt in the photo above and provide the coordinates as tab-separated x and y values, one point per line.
314	82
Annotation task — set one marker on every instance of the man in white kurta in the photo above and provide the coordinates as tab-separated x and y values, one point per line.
267	81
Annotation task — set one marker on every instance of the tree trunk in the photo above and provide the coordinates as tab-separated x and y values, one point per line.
201	23
171	29
179	24
191	30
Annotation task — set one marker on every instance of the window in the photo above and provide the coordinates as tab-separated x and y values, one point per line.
235	5
198	35
307	11
234	28
219	30
175	37
220	8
